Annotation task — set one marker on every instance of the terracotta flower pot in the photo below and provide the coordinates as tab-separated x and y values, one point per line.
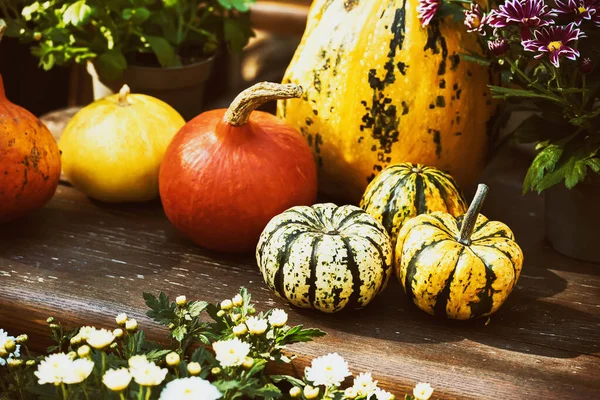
572	219
181	87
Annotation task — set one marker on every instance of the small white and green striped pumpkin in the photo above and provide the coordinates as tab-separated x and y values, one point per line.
403	191
325	257
458	268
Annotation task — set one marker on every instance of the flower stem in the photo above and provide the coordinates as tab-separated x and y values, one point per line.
523	75
148	392
121	396
63	390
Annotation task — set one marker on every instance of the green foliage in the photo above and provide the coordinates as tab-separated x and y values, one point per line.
114	33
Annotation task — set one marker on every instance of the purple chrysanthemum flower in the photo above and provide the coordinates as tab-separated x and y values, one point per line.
475	19
554	40
596	15
427	9
577	9
525	13
499	46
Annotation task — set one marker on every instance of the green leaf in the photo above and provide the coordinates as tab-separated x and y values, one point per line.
161	310
544	162
157	354
297	335
286	378
224	386
581	120
126	14
77	13
475	59
163	51
499	92
141	15
594	164
269	390
110	65
179	333
196	307
237	31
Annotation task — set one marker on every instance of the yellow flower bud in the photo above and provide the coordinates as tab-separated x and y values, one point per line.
237	300
248	362
131	325
3	353
311	392
226	305
194	368
220	313
15	363
54	326
37	36
251	311
84	351
173	359
114	345
121	319
215	371
72	355
30	363
10	345
240	329
235	317
50	320
76	339
295	392
181	301
22	339
118	333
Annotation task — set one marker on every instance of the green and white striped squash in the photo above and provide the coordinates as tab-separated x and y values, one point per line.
325	257
458	268
403	191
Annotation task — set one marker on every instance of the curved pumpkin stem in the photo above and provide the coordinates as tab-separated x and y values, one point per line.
123	95
250	99
470	217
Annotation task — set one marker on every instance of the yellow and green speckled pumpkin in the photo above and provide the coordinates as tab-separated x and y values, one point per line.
403	191
380	90
461	267
325	257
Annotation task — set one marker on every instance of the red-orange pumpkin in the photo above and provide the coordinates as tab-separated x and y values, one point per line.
29	161
228	172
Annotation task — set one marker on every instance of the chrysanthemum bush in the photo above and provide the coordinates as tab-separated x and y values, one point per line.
547	52
222	356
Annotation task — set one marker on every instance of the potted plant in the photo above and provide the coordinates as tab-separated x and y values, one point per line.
547	52
164	48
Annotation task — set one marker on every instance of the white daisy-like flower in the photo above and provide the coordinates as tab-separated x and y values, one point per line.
278	318
237	300
99	338
117	380
364	384
328	370
256	326
190	388
422	391
3	338
53	369
84	331
381	394
78	371
232	352
146	373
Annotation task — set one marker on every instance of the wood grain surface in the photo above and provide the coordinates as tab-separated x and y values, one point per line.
82	261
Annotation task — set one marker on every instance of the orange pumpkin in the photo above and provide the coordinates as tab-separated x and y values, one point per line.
29	161
228	172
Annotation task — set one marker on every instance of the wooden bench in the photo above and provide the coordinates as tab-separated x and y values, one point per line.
82	261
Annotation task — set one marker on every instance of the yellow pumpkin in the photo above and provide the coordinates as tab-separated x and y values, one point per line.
380	90
112	149
458	268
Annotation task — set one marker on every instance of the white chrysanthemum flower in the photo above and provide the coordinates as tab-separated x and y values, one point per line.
190	388
232	352
53	369
278	318
78	371
84	331
256	326
99	338
146	373
381	394
3	338
237	300
329	370
422	391
117	380
121	319
364	384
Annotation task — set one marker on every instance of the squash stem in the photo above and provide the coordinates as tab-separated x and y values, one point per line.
250	99
123	95
470	217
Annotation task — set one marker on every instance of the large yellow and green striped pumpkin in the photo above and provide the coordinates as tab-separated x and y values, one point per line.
380	90
325	257
448	277
403	191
